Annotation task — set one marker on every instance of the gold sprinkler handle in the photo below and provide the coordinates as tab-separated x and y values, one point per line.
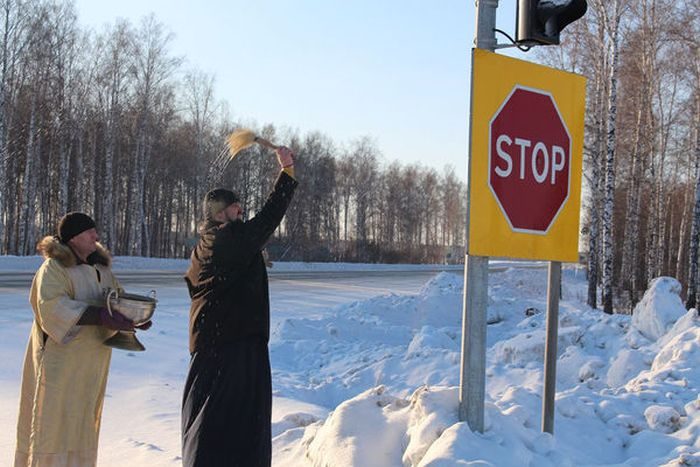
266	143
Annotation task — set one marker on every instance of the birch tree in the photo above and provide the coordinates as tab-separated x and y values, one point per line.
62	38
644	67
114	47
612	18
691	301
690	39
14	39
364	156
152	69
201	109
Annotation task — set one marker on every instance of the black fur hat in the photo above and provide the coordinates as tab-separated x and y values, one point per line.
72	224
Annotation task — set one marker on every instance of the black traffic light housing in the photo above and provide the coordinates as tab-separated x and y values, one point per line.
539	22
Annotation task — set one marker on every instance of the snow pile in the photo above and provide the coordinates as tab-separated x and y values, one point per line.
659	309
625	365
662	418
378	410
390	367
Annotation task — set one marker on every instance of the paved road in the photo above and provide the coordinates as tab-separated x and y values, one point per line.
293	294
21	280
11	280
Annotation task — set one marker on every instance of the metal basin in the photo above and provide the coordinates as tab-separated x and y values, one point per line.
137	308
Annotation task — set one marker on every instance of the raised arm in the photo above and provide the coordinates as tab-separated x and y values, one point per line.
258	230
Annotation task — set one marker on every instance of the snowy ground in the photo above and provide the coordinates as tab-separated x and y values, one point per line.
374	382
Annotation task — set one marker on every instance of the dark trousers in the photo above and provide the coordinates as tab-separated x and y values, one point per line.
227	407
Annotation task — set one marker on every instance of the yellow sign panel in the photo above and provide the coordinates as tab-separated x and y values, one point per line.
525	159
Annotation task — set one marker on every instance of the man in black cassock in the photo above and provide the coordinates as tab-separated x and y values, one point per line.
227	403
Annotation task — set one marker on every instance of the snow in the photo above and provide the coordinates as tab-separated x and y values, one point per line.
375	381
662	418
659	308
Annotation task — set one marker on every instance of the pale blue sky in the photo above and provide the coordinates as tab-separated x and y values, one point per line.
395	70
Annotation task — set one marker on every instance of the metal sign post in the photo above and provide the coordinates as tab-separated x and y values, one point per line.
550	350
472	385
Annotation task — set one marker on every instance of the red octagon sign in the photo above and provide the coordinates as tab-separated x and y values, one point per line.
529	160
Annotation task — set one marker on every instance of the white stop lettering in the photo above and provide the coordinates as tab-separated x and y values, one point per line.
552	160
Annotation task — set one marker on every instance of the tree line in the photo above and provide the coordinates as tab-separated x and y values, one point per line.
642	144
112	123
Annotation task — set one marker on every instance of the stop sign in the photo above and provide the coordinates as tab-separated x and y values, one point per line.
529	159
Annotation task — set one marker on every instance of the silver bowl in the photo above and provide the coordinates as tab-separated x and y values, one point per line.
137	308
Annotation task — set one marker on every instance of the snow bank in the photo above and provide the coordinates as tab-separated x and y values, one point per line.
372	418
421	431
625	365
432	412
659	308
633	397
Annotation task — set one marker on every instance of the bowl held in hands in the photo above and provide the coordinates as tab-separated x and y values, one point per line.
137	308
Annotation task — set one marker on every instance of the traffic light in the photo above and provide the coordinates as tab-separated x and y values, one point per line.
539	22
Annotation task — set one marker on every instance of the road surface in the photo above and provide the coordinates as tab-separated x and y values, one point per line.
17	280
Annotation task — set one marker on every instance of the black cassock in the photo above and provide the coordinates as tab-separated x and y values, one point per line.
227	402
227	407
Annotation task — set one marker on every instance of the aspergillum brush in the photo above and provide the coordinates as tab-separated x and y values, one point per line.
244	138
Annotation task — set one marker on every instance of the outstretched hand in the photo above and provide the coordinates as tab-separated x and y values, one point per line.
285	157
